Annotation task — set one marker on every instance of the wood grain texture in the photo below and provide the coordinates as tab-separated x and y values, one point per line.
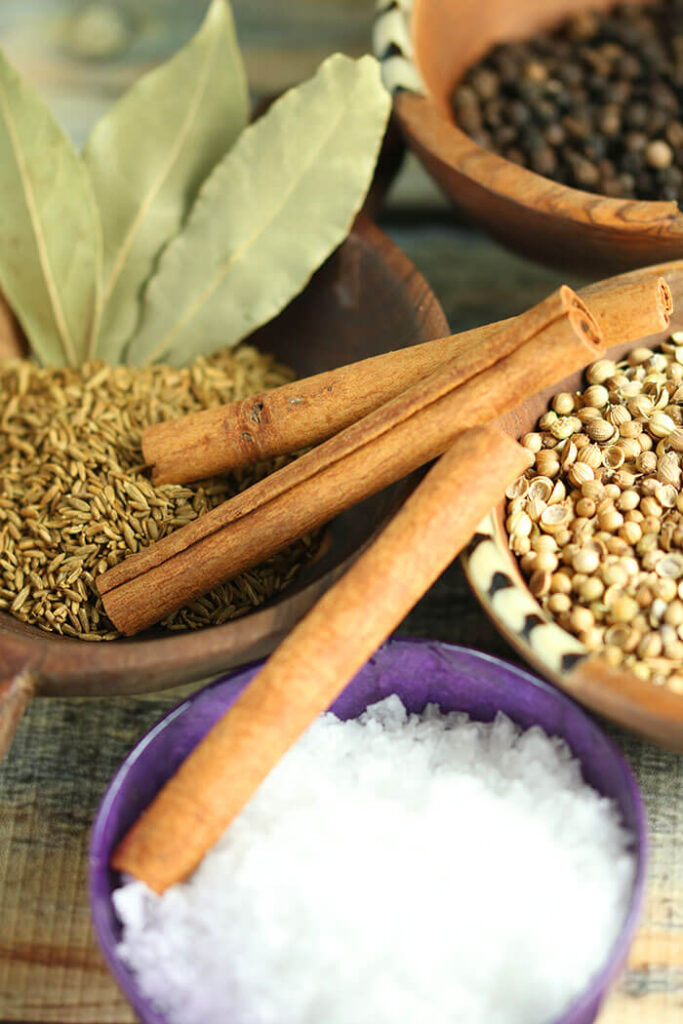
67	750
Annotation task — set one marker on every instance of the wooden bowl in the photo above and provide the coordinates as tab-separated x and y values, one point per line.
493	572
367	299
426	46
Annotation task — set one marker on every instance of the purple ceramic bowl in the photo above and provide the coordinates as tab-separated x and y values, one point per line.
420	672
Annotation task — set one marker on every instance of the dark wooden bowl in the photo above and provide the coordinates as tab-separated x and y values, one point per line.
493	572
367	299
549	222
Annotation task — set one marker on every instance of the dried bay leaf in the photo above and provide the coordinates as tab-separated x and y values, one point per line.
269	214
150	153
50	240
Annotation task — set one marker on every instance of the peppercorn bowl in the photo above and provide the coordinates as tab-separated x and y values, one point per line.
366	299
624	675
426	48
419	672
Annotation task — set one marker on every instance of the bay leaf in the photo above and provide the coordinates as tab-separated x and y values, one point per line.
150	153
270	213
50	240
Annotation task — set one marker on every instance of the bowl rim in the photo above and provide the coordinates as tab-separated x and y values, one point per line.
393	46
590	998
542	642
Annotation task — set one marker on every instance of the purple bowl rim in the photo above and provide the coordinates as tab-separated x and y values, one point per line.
616	956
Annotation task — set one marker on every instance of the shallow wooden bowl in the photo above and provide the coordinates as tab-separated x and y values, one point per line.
426	46
367	299
493	573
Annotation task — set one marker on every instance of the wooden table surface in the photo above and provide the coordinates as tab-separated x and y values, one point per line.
81	56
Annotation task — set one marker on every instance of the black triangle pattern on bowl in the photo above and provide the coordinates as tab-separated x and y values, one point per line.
509	603
393	46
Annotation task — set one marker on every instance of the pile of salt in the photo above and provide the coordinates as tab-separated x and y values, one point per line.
393	868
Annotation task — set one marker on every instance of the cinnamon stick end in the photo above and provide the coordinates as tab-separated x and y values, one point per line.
138	866
153	449
121	615
569	298
585	324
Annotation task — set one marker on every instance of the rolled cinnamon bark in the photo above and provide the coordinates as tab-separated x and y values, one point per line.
321	655
387	444
633	310
308	411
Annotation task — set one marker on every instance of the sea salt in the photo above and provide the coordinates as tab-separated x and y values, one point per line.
394	868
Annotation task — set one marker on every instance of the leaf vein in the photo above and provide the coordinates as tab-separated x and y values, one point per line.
163	346
161	177
43	256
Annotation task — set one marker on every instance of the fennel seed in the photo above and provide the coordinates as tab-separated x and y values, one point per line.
74	499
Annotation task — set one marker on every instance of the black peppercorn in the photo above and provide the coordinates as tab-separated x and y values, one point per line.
485	83
635	142
576	127
504	136
659	154
609	120
544	161
628	185
596	103
586	173
494	113
518	113
636	115
555	135
674	134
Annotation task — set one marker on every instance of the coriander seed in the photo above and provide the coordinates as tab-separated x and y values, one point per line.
606	501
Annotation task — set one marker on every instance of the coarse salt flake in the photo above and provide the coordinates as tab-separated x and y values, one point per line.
393	868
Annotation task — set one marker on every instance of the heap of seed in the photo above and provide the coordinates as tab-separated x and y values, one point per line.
596	104
74	499
597	522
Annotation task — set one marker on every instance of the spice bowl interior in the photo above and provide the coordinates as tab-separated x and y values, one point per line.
420	672
653	709
426	48
367	299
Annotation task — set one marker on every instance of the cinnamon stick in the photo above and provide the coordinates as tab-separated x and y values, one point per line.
418	425
318	658
309	411
633	310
